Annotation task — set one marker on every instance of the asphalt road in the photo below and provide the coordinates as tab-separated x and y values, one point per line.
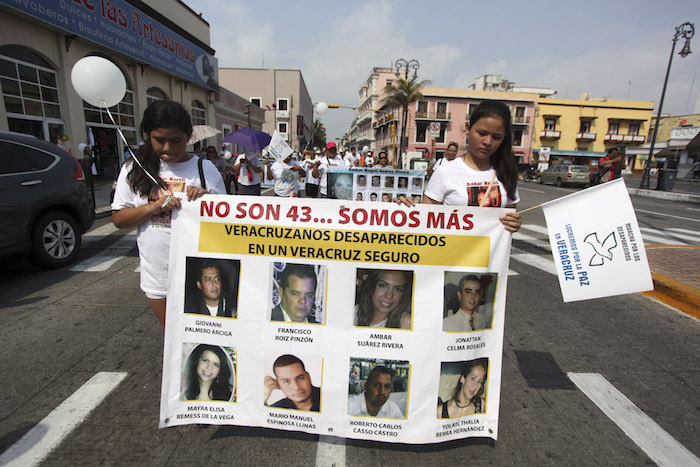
60	328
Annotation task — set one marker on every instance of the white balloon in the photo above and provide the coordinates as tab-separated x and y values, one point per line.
365	149
98	81
321	108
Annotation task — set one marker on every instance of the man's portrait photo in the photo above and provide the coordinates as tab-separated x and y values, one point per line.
290	385
378	388
360	180
211	287
297	293
469	301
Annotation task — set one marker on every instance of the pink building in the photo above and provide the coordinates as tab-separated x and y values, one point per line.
449	110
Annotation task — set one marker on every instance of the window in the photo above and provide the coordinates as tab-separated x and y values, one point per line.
550	124
123	113
517	137
634	129
282	104
422	109
22	159
442	110
441	137
199	113
585	126
471	108
613	128
155	94
421	132
519	113
282	127
256	100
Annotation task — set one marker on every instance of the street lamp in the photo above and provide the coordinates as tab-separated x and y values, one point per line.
322	108
687	30
402	64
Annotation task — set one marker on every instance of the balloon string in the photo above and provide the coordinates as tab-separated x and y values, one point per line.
126	143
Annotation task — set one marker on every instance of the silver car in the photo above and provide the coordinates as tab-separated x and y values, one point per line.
562	175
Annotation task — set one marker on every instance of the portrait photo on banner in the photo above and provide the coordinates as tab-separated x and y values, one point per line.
384	298
298	293
468	301
208	373
293	381
463	388
340	185
378	388
211	287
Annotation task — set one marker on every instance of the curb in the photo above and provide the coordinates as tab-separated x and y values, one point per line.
673	293
668	195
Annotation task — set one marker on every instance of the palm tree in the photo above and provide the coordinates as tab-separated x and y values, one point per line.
401	95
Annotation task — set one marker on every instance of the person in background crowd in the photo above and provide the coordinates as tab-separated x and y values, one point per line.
286	175
450	155
321	167
249	171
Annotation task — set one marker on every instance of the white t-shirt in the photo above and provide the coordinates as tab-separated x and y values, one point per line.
243	178
349	159
153	237
337	161
357	405
286	179
369	161
309	167
456	184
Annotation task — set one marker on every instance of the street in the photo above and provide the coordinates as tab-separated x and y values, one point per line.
61	327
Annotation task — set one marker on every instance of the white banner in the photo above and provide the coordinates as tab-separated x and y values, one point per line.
596	243
336	317
278	147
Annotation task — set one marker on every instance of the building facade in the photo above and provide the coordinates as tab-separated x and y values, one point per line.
671	145
161	47
234	112
281	94
580	131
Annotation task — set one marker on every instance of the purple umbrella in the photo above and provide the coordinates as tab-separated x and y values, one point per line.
254	140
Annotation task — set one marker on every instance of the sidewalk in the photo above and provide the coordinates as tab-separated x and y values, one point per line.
676	276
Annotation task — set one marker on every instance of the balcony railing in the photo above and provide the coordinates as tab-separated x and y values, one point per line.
613	138
283	114
381	121
521	120
634	139
585	136
433	115
550	134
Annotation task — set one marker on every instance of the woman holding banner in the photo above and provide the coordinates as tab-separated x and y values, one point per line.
468	397
207	375
487	164
138	202
383	298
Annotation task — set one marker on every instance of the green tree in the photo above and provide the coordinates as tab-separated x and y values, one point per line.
319	137
401	95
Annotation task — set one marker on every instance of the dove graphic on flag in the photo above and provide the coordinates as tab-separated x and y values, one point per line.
602	251
595	241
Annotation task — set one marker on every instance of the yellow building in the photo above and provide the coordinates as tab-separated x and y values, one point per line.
580	131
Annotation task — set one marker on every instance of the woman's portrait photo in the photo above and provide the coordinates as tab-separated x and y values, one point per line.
462	388
208	373
340	185
403	182
383	298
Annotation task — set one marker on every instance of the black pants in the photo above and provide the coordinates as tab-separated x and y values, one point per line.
251	190
311	190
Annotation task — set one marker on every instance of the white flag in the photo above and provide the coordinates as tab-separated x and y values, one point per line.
596	243
279	148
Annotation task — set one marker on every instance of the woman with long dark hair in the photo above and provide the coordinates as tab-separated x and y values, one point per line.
207	375
139	202
468	397
486	174
383	298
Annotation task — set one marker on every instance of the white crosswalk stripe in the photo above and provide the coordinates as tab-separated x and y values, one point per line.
107	257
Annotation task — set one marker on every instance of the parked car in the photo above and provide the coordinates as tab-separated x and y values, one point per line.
565	175
45	202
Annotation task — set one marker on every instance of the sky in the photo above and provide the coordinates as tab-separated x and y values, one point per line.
615	49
